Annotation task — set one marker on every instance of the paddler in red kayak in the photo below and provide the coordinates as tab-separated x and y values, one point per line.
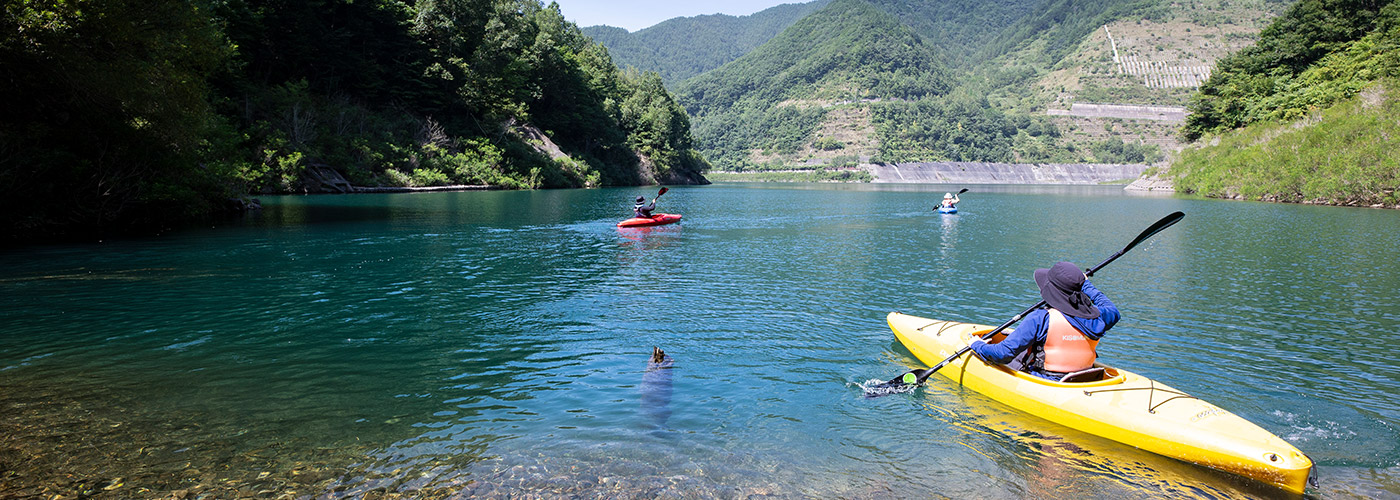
1059	340
642	209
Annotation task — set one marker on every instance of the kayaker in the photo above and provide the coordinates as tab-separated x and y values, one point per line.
642	209
950	200
1061	339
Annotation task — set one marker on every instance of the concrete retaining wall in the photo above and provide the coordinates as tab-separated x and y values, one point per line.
1130	112
1003	173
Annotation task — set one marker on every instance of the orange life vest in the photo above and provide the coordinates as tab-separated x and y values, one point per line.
1066	348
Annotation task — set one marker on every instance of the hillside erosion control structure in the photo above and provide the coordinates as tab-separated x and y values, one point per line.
1005	173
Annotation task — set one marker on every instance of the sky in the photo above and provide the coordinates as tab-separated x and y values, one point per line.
637	14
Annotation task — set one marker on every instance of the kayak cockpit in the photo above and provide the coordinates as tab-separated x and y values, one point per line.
1109	376
1098	376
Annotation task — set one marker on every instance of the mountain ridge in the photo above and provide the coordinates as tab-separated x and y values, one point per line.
682	47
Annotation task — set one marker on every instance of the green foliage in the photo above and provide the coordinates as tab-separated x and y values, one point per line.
1318	53
1346	155
659	128
396	178
963	127
1043	148
1114	150
104	109
828	144
729	138
428	177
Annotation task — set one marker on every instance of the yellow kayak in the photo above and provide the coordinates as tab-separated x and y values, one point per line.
1123	406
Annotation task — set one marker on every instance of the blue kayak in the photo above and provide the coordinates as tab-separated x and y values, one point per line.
946	210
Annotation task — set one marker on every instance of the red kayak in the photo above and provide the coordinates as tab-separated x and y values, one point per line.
655	220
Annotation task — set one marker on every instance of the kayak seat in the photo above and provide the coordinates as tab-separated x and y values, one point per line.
1086	375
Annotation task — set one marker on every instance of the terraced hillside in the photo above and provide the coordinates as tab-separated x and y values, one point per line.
1155	59
1047	81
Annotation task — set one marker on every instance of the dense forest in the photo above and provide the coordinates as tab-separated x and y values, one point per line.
124	114
1307	115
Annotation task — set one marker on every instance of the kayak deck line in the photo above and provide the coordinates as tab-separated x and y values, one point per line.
1152	388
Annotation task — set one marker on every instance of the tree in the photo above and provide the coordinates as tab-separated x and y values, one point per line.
105	110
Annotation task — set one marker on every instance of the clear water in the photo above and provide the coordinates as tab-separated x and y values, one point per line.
495	344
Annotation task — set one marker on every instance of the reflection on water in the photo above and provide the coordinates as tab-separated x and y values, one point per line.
494	344
1053	461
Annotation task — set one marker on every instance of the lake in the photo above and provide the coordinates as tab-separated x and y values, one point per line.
495	344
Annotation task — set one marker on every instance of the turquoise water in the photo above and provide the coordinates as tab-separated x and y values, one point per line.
496	344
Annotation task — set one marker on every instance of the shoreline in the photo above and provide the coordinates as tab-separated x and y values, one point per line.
424	189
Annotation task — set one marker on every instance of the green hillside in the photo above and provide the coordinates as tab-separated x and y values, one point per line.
683	47
1348	154
960	29
123	114
772	99
1317	53
1307	115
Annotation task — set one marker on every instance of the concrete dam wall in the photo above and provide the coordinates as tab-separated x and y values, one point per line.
1004	173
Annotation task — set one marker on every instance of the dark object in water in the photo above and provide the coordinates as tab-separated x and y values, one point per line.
656	388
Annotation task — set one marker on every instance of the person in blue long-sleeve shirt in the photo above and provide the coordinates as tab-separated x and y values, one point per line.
642	209
1061	339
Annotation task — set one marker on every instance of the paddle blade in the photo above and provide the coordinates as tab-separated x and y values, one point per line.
909	378
662	191
1163	223
964	190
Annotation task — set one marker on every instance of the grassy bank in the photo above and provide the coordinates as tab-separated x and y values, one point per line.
1348	154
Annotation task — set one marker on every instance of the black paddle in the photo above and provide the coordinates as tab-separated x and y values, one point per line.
919	376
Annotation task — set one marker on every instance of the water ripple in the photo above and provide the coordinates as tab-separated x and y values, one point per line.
497	344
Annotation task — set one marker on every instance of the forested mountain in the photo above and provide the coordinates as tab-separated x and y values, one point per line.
960	28
125	113
774	97
1055	27
764	108
1307	114
683	47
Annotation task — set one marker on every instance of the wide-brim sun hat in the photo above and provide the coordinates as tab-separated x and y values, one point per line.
1062	287
641	199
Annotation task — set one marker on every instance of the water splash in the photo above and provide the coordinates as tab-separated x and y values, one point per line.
875	387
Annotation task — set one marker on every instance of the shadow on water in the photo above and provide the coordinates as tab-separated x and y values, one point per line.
656	389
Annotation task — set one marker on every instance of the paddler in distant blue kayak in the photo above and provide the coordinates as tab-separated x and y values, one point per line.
643	209
1061	339
950	200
